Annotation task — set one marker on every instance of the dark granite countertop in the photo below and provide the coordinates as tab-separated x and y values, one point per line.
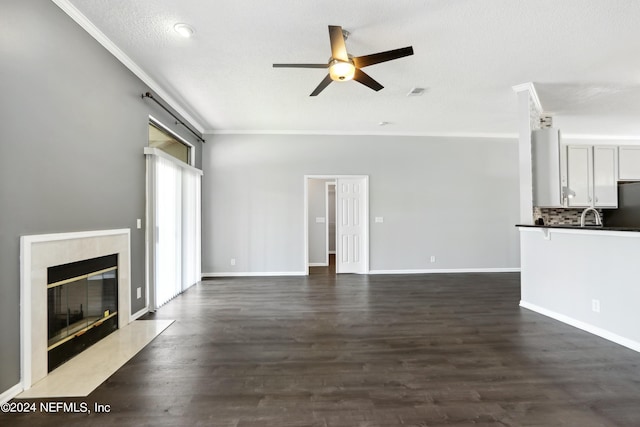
577	227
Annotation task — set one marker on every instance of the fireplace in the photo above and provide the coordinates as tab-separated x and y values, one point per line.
43	335
82	306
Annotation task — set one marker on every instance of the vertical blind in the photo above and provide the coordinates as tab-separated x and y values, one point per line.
174	226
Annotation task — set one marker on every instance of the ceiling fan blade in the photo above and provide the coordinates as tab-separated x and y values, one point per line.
376	58
300	65
366	80
324	83
338	46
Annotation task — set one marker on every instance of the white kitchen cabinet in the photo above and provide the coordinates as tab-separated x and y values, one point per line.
605	176
579	175
546	168
629	163
592	176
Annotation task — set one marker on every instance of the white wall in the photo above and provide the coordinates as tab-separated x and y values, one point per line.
455	198
563	273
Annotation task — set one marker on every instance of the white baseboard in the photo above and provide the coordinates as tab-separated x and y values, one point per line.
447	270
587	327
254	274
139	314
11	393
318	264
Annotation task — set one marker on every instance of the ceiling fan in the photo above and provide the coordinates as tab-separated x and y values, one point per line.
344	67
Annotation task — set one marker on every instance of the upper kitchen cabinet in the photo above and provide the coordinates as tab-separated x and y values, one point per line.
546	164
579	175
592	176
605	176
629	163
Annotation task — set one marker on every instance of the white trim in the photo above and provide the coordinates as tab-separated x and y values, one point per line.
138	314
318	264
531	88
254	274
332	252
448	270
73	235
414	271
90	28
157	152
10	393
602	333
361	133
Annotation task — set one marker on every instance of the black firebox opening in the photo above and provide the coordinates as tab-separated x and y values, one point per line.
82	304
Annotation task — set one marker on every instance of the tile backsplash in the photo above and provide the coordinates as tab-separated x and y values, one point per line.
569	216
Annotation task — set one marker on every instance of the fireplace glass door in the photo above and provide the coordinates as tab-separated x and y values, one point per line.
76	305
82	306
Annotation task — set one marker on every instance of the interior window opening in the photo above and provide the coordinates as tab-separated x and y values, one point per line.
162	139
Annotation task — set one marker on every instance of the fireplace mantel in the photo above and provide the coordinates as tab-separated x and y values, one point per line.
37	252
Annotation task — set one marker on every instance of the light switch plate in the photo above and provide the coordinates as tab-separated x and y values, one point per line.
139	223
379	219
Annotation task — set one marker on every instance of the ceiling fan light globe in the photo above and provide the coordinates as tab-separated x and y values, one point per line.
341	71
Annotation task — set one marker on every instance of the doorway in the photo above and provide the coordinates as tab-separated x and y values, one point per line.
330	198
349	243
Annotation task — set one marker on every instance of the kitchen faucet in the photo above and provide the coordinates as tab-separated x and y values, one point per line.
584	214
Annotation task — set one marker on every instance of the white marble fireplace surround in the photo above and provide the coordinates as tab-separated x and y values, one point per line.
38	252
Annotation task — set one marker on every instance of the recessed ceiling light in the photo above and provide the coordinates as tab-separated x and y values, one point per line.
185	30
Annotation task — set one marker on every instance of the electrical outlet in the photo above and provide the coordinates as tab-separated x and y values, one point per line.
139	292
433	258
595	305
233	261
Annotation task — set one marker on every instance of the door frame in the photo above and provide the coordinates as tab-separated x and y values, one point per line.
365	237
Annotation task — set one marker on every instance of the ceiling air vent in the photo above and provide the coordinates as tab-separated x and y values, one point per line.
417	91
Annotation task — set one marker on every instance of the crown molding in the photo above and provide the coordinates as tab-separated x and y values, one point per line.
364	133
101	38
531	88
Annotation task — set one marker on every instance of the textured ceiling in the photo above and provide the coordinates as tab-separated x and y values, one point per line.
582	55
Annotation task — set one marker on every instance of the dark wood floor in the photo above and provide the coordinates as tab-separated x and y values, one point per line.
350	350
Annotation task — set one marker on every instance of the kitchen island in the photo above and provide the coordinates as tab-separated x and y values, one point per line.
587	277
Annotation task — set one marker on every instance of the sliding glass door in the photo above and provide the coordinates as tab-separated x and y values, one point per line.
173	226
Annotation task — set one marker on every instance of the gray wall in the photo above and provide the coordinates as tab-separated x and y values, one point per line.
455	198
71	139
317	231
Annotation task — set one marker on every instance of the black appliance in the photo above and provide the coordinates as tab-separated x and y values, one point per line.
628	212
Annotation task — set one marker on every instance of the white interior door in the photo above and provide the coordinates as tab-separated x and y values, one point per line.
351	215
